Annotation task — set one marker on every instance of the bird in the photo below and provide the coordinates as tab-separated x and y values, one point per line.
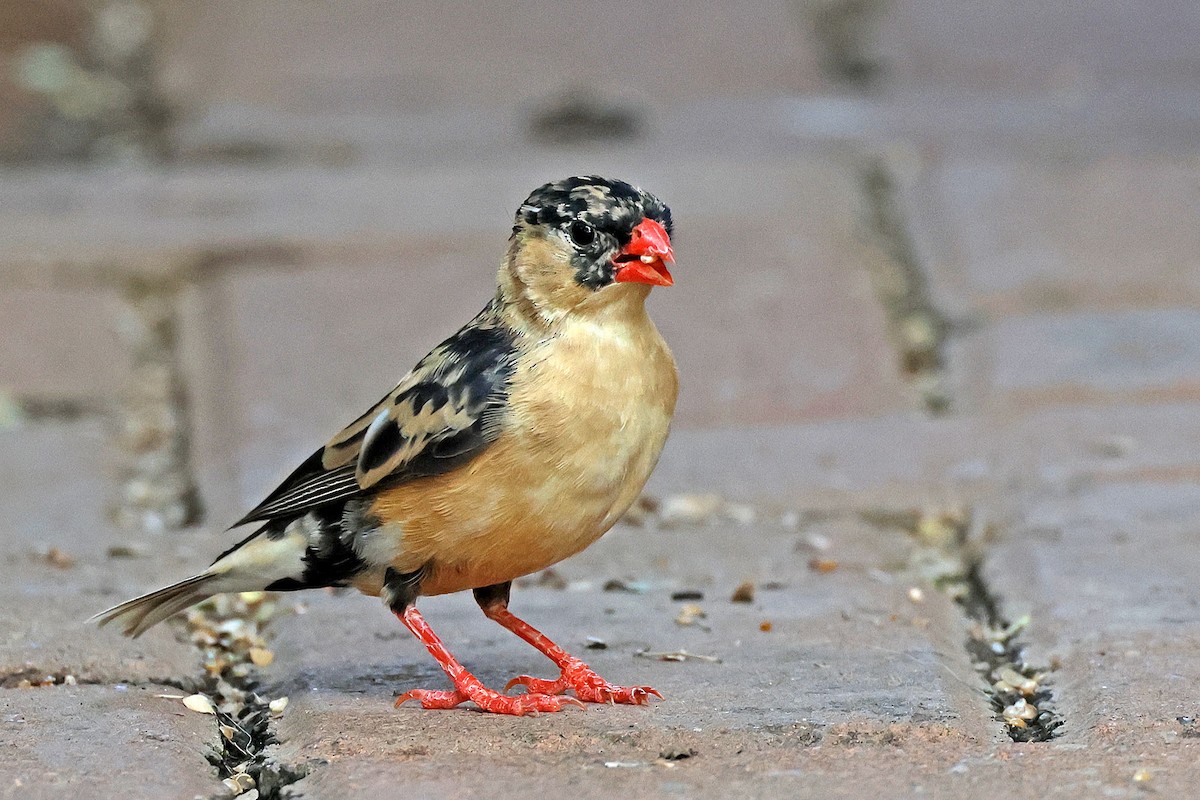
514	444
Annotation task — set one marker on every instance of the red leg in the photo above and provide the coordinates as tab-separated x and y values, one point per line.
467	686
576	675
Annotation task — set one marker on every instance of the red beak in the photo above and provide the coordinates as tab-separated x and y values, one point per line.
645	258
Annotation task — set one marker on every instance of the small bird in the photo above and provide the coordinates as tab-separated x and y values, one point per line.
515	443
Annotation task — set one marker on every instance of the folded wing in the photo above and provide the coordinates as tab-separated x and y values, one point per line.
444	413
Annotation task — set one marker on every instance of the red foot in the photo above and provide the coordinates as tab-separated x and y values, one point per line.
467	686
587	685
488	700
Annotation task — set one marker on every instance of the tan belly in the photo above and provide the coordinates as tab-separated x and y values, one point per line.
568	466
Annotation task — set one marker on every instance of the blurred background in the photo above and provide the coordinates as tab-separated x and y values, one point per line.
226	227
936	312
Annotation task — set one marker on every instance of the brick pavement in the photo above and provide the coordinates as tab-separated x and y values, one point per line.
1048	191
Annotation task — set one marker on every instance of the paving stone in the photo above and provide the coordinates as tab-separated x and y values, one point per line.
849	662
1029	47
1107	575
1040	233
58	485
1053	449
63	345
1073	271
1056	357
417	54
904	455
103	741
351	242
1101	555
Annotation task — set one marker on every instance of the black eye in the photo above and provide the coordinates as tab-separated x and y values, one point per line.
582	233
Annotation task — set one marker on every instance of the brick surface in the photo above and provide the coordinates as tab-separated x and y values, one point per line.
1076	356
895	458
67	738
1040	233
848	661
1107	573
1029	47
416	54
103	741
332	217
1095	543
64	344
58	484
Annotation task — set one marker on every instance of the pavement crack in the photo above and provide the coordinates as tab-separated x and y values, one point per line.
30	676
228	631
947	555
918	328
844	32
1017	693
159	491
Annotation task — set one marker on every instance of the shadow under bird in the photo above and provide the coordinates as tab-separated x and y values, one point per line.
514	444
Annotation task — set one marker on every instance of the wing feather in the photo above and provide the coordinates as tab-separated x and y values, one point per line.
445	412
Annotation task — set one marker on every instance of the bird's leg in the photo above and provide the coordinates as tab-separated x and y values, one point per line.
576	675
466	686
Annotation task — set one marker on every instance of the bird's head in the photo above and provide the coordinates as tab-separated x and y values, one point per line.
588	242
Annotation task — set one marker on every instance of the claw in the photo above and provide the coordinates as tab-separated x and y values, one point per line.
537	685
587	685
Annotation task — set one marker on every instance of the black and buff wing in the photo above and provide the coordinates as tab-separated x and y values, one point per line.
444	412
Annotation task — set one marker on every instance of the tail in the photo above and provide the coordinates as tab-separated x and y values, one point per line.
138	615
256	563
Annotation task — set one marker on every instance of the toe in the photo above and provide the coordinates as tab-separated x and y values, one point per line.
432	699
536	685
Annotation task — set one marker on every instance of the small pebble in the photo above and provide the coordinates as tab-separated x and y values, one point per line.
1010	676
690	614
59	559
818	541
199	703
676	655
239	782
822	565
278	705
261	656
1141	776
687	594
551	579
676	753
1022	709
744	593
689	509
739	513
765	626
916	595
